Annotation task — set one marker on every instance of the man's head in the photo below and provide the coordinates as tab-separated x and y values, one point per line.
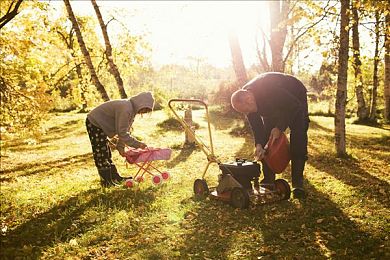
243	101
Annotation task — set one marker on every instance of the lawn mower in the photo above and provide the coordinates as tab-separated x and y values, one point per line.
238	182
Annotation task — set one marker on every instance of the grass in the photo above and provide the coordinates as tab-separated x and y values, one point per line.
52	206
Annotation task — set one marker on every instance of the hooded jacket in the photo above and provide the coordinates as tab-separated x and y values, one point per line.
115	117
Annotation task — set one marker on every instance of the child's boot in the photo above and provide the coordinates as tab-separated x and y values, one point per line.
105	177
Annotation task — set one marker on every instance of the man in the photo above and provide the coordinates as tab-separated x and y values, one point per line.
114	119
272	102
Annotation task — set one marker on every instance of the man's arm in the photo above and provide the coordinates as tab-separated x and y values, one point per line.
257	126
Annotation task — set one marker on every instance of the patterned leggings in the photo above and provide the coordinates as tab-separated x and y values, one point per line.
100	149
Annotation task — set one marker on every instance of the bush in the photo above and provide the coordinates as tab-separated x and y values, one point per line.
173	124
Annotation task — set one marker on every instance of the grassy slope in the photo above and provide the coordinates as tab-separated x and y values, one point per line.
52	205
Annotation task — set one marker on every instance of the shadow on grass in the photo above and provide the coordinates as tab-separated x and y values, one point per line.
185	152
282	230
28	169
350	172
65	221
68	128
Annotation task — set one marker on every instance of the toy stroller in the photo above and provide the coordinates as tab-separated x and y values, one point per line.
143	159
235	182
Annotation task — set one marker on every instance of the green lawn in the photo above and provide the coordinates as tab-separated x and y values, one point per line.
52	206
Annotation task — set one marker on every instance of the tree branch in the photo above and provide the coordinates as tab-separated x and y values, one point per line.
10	14
304	32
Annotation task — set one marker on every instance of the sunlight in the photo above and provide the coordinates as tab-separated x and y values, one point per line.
179	30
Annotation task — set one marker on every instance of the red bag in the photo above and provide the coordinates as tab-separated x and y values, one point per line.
278	154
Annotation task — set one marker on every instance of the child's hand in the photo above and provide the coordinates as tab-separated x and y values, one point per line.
121	151
142	145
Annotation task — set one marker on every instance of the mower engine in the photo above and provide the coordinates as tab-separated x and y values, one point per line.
240	173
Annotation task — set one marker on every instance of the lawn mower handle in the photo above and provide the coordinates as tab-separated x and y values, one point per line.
209	152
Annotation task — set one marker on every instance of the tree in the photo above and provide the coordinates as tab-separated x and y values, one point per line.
387	68
293	24
362	111
11	12
24	66
238	62
68	39
375	72
85	52
113	68
279	11
341	94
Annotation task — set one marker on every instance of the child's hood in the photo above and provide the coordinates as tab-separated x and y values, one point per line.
142	100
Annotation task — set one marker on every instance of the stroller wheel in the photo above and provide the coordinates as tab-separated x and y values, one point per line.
156	179
201	189
239	198
139	179
129	183
165	175
282	187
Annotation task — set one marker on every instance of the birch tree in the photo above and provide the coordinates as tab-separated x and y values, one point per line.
387	68
113	68
87	57
375	72
362	110
341	95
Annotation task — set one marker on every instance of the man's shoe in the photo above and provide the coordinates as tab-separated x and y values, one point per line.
299	193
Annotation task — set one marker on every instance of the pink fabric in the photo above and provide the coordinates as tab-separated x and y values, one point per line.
147	154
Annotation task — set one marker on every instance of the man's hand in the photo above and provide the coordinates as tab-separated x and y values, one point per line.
259	153
275	134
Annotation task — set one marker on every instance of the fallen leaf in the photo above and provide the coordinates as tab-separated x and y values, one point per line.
73	242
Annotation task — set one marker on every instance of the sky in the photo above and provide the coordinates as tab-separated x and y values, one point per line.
177	30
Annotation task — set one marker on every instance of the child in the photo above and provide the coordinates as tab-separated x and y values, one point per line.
114	118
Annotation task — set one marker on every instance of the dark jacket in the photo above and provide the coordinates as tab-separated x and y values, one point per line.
278	97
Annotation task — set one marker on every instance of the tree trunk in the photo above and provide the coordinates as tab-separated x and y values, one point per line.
341	95
279	15
85	52
362	111
113	68
387	69
82	88
80	77
238	62
375	73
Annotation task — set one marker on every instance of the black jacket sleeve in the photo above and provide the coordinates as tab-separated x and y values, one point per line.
257	126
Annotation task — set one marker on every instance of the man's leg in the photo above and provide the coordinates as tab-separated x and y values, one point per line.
298	148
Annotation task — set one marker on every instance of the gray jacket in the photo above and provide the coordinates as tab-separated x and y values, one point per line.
115	117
